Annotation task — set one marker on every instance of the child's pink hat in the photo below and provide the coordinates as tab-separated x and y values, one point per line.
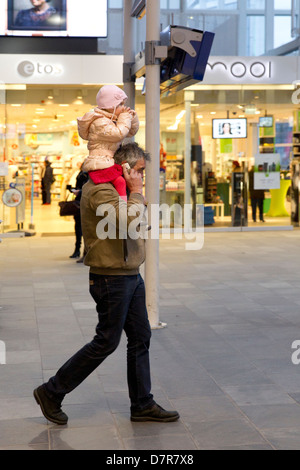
110	96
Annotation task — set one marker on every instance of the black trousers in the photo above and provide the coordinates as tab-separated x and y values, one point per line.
78	232
121	306
257	203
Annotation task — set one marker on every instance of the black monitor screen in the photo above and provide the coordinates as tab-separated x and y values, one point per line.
266	121
53	18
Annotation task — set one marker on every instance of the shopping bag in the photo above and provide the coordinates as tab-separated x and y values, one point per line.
69	208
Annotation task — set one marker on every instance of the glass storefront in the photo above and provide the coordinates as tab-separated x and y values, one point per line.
215	158
39	121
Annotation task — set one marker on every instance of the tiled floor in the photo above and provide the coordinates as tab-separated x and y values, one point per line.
223	361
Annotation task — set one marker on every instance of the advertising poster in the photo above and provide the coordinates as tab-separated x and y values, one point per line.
229	128
3	168
267	171
12	197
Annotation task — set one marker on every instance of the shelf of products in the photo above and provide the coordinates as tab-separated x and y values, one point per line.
296	144
296	135
62	168
210	188
267	139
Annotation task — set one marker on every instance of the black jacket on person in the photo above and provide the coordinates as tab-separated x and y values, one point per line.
47	179
81	179
255	193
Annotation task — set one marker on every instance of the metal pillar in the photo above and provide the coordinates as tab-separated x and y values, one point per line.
129	52
152	175
188	98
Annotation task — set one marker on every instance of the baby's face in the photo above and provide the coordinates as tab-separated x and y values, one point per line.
120	108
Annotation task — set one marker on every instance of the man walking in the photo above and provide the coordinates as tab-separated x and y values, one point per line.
119	293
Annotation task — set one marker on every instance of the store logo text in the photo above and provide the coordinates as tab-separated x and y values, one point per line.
27	69
239	69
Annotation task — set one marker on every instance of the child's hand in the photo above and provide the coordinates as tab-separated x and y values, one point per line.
130	111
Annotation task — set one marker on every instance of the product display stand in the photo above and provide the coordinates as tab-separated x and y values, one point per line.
278	197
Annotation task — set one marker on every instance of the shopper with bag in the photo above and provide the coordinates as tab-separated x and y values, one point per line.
81	179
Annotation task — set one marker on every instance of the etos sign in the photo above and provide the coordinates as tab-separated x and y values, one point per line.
27	69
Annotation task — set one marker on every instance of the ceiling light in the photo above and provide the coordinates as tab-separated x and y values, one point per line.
199	116
174	127
180	115
16	105
64	105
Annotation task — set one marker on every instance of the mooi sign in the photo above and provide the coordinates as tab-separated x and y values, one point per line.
251	70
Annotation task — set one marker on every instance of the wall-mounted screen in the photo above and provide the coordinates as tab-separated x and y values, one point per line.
229	128
266	121
53	18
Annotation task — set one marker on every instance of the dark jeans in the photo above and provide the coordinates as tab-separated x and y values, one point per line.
120	305
255	202
46	193
78	231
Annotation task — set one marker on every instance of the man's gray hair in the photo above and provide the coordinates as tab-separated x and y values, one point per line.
130	153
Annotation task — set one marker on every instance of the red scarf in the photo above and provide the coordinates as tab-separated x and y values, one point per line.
107	174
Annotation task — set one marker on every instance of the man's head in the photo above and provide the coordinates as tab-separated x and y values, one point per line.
132	154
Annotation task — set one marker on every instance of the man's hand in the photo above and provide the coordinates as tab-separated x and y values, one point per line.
133	179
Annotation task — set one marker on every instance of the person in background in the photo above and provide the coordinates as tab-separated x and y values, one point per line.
47	181
257	197
236	167
119	292
40	15
81	179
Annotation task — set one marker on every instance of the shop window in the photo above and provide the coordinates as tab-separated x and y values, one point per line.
282	4
256	4
255	35
170	4
211	4
282	30
115	3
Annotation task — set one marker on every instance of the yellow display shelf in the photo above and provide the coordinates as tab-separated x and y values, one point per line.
278	197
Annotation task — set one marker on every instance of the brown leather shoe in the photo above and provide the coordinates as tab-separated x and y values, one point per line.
51	410
154	413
